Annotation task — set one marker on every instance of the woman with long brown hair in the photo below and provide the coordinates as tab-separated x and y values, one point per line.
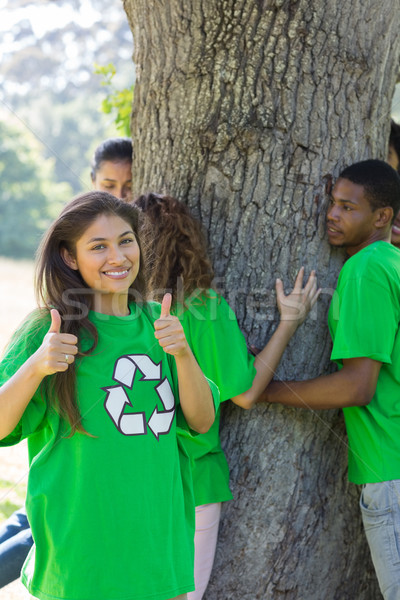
92	379
180	265
110	171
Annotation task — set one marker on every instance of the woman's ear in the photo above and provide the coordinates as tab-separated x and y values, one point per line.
69	259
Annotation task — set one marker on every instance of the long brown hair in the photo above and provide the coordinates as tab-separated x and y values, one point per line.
61	287
179	247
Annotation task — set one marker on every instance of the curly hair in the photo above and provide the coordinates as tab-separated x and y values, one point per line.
178	262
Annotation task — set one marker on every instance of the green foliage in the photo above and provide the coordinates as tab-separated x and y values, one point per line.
71	130
47	77
117	102
29	196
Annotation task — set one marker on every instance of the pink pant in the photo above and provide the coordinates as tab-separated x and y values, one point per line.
205	543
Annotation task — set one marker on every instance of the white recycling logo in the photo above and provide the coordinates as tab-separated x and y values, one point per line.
131	423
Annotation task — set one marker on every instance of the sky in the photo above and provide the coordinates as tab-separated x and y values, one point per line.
23	24
44	16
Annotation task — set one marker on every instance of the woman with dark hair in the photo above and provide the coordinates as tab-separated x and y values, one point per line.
110	172
111	167
180	265
109	498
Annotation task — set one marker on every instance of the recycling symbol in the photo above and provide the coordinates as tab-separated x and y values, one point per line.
134	423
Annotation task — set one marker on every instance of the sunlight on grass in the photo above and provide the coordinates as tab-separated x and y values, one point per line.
16	301
7	508
16	295
19	488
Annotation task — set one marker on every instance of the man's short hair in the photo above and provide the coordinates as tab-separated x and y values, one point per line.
379	180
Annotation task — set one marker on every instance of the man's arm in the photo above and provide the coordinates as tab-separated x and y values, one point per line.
293	309
353	385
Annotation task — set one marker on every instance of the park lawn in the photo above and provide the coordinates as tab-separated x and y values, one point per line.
16	301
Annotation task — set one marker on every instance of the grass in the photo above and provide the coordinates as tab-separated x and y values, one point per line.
7	508
16	301
16	295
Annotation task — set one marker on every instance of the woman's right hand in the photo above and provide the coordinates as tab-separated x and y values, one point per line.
57	350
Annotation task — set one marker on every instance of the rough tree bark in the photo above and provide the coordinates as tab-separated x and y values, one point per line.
245	109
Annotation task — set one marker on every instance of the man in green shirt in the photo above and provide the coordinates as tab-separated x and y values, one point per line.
364	321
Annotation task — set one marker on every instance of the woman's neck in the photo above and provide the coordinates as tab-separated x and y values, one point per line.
111	304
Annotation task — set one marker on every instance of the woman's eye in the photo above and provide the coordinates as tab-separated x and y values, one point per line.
127	241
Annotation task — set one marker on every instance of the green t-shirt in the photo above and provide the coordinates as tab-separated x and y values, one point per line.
364	321
219	346
112	515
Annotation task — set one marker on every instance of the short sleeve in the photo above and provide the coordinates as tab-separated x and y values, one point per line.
219	345
182	425
363	320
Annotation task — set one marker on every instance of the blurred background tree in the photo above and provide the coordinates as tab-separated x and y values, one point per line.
30	196
118	102
51	96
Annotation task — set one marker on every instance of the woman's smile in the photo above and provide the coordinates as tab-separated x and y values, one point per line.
107	257
117	274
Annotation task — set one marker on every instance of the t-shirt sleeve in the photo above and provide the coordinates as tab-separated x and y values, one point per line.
219	345
364	321
25	341
181	421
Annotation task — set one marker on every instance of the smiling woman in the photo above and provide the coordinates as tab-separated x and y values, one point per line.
65	381
107	257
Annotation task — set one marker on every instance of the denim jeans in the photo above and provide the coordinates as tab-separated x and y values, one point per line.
380	509
15	543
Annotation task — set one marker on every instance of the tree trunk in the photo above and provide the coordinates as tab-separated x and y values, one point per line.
245	109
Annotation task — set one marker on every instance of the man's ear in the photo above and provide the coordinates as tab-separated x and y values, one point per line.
384	217
69	259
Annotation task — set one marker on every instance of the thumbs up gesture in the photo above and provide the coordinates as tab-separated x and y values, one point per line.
57	350
169	331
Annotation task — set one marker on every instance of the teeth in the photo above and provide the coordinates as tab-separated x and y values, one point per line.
115	272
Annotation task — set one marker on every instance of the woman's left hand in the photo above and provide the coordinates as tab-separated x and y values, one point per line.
169	331
295	306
